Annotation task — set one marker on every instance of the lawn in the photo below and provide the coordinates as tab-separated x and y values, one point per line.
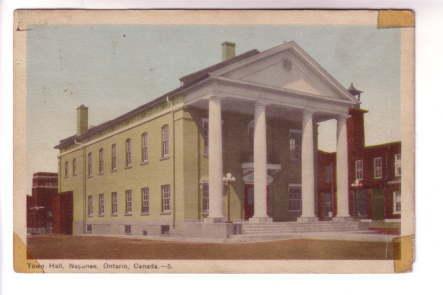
74	247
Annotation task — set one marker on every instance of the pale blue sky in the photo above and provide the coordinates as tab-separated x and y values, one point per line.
115	68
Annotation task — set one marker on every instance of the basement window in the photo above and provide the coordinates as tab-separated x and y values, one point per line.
128	229
164	229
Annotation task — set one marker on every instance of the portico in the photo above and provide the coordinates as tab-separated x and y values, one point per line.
261	88
261	164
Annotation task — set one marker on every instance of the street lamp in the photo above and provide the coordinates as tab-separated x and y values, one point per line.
227	180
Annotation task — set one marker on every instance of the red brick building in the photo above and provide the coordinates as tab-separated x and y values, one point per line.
46	210
374	175
39	204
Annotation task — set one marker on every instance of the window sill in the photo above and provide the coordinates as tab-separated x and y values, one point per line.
145	214
144	163
101	215
113	170
90	176
164	158
128	214
114	215
166	213
128	167
101	173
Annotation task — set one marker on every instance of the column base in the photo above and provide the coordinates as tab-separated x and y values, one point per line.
342	218
265	219
307	219
215	220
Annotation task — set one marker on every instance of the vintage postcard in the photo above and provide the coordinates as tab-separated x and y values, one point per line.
229	141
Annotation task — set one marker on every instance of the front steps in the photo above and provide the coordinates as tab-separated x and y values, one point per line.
276	228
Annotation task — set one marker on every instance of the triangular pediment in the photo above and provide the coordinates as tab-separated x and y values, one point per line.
288	67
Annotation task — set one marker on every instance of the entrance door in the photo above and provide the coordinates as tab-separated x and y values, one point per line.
378	204
249	201
361	203
326	205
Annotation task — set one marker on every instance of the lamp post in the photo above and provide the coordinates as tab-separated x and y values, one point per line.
227	180
356	185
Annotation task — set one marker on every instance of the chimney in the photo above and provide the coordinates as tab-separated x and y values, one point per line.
228	50
82	119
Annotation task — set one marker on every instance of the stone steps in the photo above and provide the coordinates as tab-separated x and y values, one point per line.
296	227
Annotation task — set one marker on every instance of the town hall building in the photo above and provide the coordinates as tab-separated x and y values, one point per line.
233	150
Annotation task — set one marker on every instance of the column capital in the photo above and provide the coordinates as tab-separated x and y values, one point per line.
259	103
214	97
308	112
342	116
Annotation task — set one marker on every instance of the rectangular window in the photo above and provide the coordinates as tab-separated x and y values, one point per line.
66	169
101	164
205	134
128	229
359	169
397	165
101	204
165	141
294	144
166	197
90	206
128	156
378	167
89	164
128	202
74	167
294	198
205	198
113	157
396	202
114	203
145	200
144	147
89	228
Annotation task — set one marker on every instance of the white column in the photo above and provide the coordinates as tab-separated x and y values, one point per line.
342	168
215	155
260	165
307	168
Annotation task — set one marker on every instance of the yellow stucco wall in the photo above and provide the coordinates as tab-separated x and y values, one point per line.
156	172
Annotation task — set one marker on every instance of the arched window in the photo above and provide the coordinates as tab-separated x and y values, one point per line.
66	169
165	141
128	156
100	161
89	164
113	157
74	167
144	147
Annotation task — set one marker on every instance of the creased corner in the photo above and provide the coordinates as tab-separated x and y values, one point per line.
21	262
403	253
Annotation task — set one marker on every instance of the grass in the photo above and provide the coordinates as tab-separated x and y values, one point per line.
83	247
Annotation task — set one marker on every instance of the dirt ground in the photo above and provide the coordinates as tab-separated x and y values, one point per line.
70	247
